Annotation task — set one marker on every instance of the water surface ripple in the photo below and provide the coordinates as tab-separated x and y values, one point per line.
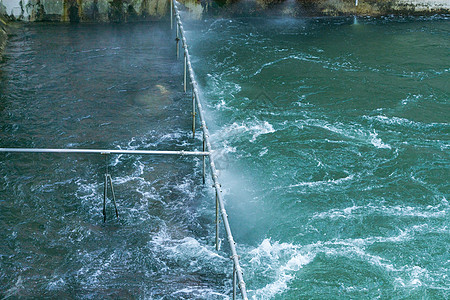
335	149
113	87
332	141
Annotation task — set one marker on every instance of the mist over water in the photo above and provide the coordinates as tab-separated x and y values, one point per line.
106	87
335	138
331	139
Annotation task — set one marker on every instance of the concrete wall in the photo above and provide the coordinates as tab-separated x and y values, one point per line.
379	7
3	34
325	7
137	10
86	10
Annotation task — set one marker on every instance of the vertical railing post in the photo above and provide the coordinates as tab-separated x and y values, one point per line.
113	195
185	69
178	40
204	159
217	222
193	113
171	14
105	190
108	178
234	281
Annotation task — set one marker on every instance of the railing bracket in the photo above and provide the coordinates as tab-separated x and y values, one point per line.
108	179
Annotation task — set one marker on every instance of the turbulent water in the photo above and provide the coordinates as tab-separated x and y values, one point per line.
331	137
335	150
106	87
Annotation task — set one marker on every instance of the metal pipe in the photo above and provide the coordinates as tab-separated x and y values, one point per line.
185	71
214	173
193	114
204	161
101	151
113	195
217	224
234	282
105	191
177	39
171	14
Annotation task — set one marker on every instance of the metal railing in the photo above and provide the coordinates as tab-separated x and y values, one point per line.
207	152
100	151
108	178
180	35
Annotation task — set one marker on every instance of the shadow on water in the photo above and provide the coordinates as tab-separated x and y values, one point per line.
101	86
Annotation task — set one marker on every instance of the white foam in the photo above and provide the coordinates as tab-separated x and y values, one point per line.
403	122
274	288
14	289
255	127
355	132
56	284
329	182
187	187
200	292
263	152
438	211
222	105
411	99
221	90
377	142
187	248
337	213
279	262
285	258
304	57
268	250
190	247
151	140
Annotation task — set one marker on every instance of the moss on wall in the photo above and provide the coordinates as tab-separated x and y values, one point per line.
3	30
141	10
323	7
94	10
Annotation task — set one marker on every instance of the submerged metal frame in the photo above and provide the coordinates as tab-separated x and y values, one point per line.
237	270
108	178
207	152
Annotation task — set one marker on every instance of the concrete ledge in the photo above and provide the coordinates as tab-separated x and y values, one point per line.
319	7
142	10
86	10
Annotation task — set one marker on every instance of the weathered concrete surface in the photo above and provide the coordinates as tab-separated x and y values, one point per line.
3	34
138	10
86	10
417	6
323	7
380	7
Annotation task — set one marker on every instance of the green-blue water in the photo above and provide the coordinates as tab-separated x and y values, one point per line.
335	140
332	141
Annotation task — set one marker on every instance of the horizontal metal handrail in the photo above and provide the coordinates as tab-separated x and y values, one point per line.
106	152
101	151
237	270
